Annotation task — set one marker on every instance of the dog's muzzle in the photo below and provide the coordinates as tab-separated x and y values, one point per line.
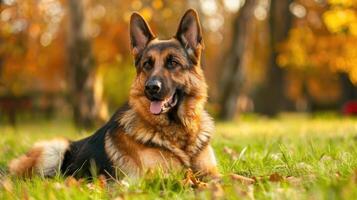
160	102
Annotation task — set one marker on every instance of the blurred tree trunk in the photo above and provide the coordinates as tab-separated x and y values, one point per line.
270	99
1	41
81	67
349	91
234	70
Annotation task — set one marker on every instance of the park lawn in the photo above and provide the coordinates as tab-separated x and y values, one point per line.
291	157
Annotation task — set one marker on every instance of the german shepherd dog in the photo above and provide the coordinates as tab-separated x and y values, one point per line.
164	124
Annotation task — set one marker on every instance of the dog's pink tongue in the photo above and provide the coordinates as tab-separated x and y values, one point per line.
155	107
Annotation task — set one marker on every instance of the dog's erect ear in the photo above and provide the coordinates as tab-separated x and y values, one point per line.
189	32
140	33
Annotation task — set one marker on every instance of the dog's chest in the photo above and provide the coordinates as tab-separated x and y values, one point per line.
151	158
176	135
128	154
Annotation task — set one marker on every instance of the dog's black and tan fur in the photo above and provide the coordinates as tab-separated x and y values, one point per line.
163	125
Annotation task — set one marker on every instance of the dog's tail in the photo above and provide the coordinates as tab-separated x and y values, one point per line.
45	159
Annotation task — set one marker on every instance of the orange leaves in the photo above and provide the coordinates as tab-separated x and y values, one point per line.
322	44
102	182
342	17
339	20
73	182
275	177
192	180
214	187
157	4
242	179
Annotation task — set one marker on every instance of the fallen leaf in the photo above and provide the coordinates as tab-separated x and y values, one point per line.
90	186
251	192
239	191
217	190
188	178
71	182
25	194
244	191
201	185
102	181
275	177
191	180
233	154
7	185
355	176
244	180
258	178
296	181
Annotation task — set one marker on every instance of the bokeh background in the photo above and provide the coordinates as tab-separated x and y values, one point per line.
71	58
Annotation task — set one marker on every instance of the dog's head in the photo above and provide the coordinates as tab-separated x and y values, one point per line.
168	71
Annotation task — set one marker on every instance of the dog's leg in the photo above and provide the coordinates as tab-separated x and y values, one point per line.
205	163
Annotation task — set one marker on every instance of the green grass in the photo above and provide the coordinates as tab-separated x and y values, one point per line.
315	158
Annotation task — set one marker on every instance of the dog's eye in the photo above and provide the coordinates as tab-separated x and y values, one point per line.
172	64
147	65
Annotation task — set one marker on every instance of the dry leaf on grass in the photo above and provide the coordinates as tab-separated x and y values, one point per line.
246	191
275	177
102	181
258	178
233	154
244	180
251	192
7	185
191	180
70	181
217	190
296	181
90	186
25	194
354	176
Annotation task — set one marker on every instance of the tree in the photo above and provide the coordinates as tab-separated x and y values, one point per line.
1	59
271	99
81	67
324	45
234	69
348	90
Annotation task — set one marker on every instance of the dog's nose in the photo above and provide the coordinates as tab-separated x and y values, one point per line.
153	86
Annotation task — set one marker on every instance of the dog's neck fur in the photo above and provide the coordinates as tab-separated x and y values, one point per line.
184	138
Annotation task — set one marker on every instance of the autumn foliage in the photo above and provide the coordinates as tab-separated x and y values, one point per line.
320	46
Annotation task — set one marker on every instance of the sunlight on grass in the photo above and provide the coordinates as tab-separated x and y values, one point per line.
291	157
